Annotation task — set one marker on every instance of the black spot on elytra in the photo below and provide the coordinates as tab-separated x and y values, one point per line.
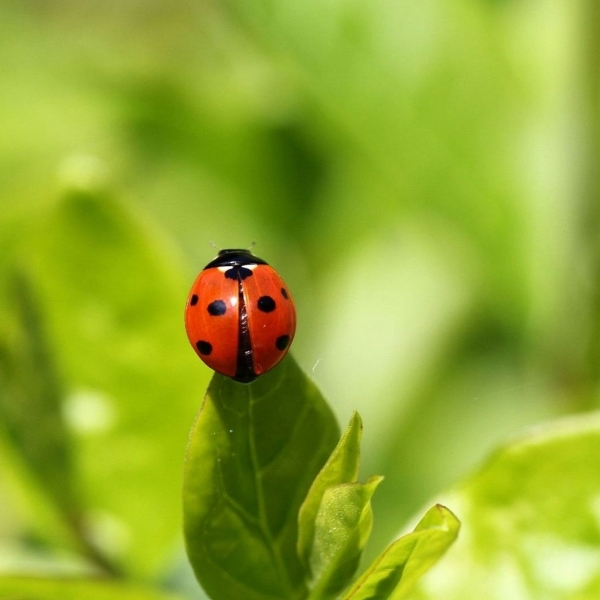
238	273
282	342
266	304
204	347
284	293
194	300
217	308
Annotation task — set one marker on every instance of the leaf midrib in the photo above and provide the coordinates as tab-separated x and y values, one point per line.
273	547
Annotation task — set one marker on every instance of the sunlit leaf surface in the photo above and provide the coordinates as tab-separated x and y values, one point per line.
530	521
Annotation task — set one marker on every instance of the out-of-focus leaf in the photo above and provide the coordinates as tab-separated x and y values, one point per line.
36	459
36	455
253	454
24	588
341	467
31	395
111	299
530	519
342	528
394	573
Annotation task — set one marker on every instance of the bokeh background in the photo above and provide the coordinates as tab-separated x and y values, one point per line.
423	174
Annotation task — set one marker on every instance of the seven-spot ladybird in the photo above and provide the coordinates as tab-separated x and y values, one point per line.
240	317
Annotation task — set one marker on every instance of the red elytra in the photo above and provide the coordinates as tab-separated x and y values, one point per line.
240	317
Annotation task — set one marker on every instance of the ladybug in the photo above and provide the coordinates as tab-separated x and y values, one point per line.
240	317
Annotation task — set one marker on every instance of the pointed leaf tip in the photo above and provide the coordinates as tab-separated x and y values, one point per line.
393	574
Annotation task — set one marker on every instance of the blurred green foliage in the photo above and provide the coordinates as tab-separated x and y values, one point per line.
530	521
64	589
423	173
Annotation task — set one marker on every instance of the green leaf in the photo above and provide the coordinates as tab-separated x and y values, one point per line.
531	521
394	573
30	397
253	453
24	588
36	446
342	528
341	467
111	300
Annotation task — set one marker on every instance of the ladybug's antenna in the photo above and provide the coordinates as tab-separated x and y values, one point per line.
252	244
214	246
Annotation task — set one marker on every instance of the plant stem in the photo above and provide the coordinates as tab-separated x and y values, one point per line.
88	549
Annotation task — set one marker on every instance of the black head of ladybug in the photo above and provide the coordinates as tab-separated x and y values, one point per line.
235	257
